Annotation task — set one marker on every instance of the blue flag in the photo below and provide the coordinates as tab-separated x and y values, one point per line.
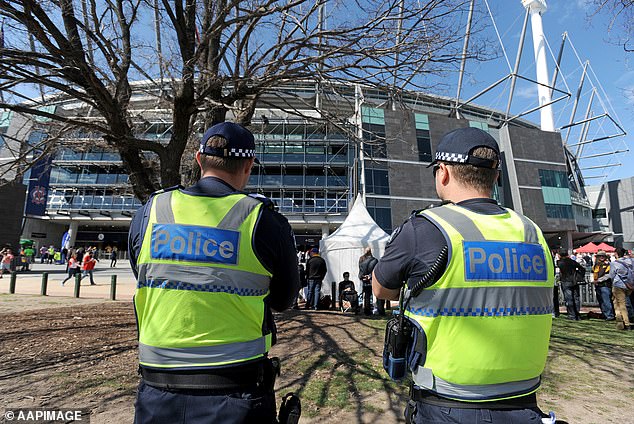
38	187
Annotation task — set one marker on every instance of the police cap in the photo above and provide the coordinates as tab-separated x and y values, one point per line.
240	141
456	147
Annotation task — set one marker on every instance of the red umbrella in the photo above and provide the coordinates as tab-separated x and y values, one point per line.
588	248
606	247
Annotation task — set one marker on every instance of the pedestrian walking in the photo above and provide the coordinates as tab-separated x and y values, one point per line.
113	257
73	268
7	258
87	267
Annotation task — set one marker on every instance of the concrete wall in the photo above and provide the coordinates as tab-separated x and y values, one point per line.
44	233
412	180
531	148
12	197
19	129
620	205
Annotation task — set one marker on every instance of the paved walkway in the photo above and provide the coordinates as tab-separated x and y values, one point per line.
30	282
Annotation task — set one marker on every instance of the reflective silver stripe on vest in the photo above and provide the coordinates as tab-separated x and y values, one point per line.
238	213
192	356
424	378
530	232
163	208
483	301
199	278
460	222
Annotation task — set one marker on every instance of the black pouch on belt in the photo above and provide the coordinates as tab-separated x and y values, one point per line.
272	367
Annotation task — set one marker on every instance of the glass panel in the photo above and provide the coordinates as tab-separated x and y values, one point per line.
87	177
106	178
294	152
422	121
110	156
93	155
107	201
274	180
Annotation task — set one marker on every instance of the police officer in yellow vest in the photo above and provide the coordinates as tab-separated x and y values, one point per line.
481	325
211	263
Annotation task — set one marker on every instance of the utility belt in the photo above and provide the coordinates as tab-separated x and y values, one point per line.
258	375
424	396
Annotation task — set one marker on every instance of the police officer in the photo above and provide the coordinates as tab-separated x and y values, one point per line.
482	323
211	263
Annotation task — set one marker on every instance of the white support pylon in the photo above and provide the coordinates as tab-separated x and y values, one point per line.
536	8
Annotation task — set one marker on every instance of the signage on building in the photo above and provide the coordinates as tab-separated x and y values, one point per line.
100	237
38	235
38	187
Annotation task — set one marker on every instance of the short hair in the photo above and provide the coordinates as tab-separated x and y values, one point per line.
346	274
620	252
228	164
563	252
482	179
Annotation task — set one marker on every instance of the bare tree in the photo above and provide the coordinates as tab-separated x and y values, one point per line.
200	59
621	20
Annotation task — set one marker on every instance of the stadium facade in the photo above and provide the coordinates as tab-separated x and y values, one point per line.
313	170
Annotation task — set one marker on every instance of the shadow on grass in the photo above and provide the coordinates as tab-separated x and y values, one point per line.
333	361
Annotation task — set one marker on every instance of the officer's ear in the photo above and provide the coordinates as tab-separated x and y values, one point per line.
249	165
198	160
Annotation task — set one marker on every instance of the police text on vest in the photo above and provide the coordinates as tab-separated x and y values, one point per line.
194	243
504	261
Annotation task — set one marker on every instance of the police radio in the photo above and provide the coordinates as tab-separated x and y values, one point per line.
398	331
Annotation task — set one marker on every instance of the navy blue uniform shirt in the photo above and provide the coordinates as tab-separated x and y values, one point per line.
273	242
415	246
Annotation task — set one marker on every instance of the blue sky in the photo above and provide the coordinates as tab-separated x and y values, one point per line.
611	72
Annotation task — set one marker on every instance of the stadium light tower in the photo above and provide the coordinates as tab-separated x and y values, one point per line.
536	8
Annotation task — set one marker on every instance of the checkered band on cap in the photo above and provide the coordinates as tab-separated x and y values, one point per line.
242	153
233	152
451	157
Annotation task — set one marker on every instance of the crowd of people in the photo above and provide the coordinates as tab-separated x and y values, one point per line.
77	260
312	271
609	274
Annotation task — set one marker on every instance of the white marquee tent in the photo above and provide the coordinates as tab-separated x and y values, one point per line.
341	250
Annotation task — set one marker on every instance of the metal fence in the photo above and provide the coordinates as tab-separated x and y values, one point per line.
587	293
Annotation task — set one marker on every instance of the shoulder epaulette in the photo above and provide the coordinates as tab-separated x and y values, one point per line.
430	206
163	190
267	203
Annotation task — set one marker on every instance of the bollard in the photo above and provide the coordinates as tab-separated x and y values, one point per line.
14	276
113	287
44	284
333	297
77	284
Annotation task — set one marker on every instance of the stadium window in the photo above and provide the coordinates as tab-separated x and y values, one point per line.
377	181
559	211
380	210
423	139
482	125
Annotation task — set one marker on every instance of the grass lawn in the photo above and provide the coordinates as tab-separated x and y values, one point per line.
334	364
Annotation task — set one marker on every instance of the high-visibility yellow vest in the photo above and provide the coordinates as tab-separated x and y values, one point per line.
200	294
486	321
